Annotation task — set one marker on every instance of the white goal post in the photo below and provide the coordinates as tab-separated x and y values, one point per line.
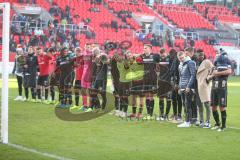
5	60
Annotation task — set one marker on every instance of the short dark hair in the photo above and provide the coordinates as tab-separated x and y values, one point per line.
88	43
38	48
173	51
78	49
51	50
149	45
63	49
189	49
162	50
199	50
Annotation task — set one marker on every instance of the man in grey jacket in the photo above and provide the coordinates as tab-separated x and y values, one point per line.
187	75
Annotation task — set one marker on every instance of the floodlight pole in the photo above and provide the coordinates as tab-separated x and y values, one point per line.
5	66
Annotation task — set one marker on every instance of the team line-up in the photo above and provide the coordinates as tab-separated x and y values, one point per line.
185	79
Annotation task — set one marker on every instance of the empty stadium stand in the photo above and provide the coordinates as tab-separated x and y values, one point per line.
83	9
183	17
222	13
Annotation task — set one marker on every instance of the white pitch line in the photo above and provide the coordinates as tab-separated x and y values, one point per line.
234	128
20	147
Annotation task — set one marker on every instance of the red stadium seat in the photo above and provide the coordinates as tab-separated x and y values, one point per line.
183	17
223	13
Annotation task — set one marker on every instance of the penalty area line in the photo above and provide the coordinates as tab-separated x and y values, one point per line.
20	147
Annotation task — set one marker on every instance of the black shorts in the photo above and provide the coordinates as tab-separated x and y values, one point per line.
137	88
100	85
123	88
77	84
165	89
168	95
116	88
43	81
66	80
29	81
150	86
219	97
54	79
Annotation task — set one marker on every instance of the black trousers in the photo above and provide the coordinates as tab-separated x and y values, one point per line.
20	84
187	99
177	103
196	103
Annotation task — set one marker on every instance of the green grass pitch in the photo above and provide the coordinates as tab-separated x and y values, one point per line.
36	126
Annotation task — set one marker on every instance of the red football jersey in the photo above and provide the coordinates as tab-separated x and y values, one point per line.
43	63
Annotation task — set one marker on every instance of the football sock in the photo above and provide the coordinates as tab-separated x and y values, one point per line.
174	104
125	108
168	107
216	117
65	97
77	98
121	104
148	106
140	109
121	107
224	117
134	109
26	92
39	93
151	107
52	93
84	100
33	93
161	106
125	104
116	103
46	94
104	100
69	98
